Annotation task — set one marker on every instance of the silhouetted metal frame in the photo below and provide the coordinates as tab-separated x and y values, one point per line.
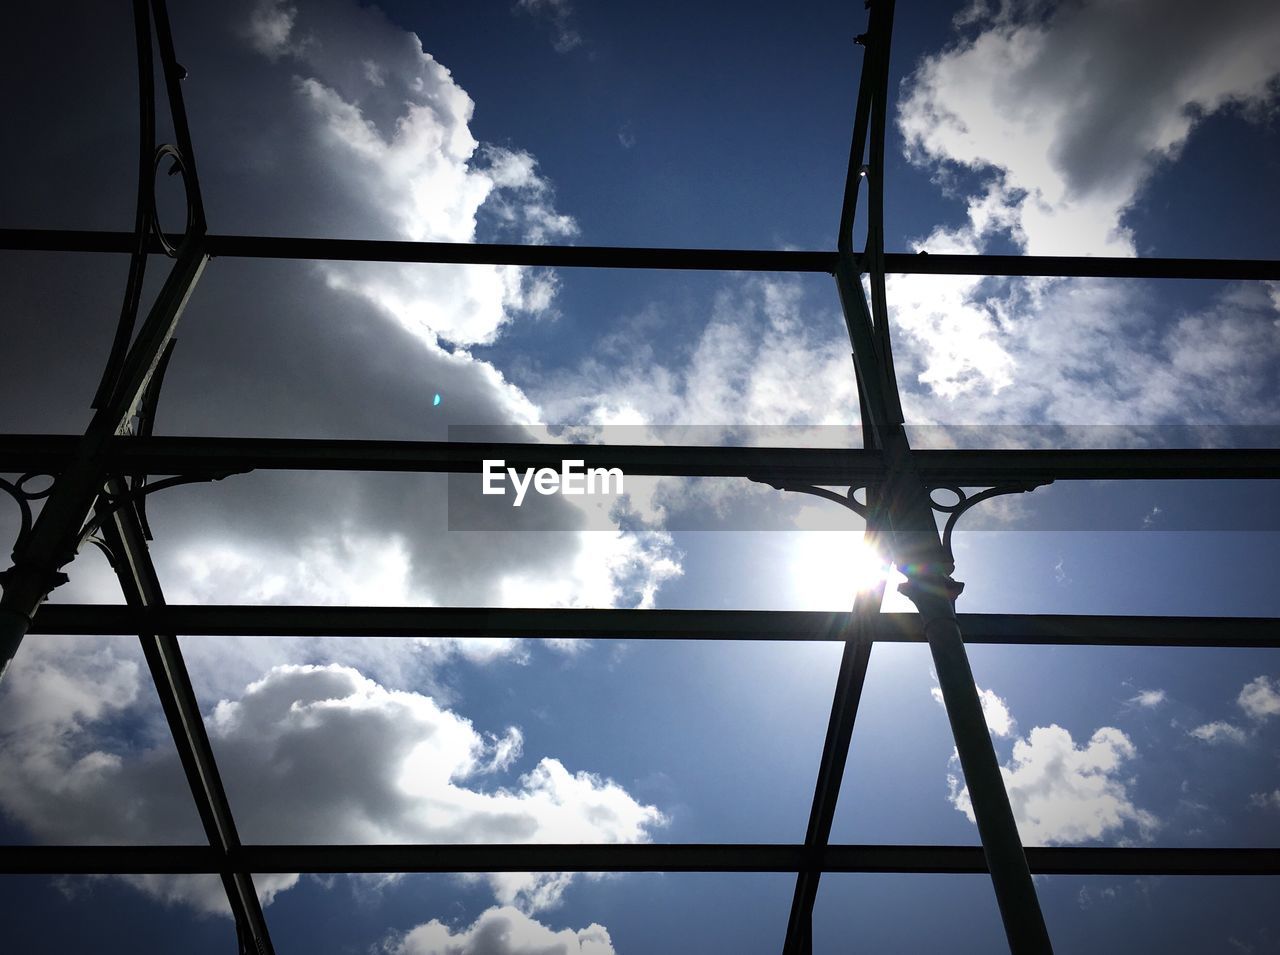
90	470
612	257
633	857
161	455
995	629
127	546
127	392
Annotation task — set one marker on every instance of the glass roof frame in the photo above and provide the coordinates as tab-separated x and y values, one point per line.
100	481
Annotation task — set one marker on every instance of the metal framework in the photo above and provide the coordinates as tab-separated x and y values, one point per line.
100	479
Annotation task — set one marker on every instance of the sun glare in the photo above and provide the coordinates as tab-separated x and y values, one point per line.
828	568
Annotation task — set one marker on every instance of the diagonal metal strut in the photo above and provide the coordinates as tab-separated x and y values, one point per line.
141	585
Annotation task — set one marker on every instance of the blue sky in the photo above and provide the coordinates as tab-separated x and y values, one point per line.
1085	128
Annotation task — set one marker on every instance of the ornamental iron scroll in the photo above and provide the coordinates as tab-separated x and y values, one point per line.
965	500
966	497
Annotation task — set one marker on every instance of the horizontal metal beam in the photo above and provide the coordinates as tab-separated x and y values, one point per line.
713	625
1089	464
173	455
701	857
820	466
1082	266
454	253
611	257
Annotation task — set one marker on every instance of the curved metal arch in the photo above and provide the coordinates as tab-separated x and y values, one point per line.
151	155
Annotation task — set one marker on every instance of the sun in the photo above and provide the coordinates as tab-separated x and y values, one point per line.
828	568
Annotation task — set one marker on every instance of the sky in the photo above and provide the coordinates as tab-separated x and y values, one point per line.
1141	127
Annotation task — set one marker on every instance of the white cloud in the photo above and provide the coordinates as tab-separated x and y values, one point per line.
308	754
1064	144
994	709
1260	698
1071	138
1062	793
501	931
609	569
1080	352
58	683
1148	698
332	120
769	366
1219	731
249	559
761	359
505	750
398	141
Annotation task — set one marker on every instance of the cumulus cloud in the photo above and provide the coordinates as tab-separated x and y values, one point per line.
308	754
58	683
1062	144
393	126
1062	792
326	119
1219	731
343	125
1069	109
1260	698
501	931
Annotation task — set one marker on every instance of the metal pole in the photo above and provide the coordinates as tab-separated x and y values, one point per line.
141	585
835	754
1015	893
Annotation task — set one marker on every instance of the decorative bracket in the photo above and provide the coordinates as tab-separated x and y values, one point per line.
846	499
107	504
954	510
964	501
23	496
